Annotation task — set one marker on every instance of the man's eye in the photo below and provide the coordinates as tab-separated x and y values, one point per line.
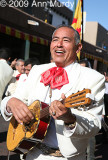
66	40
54	39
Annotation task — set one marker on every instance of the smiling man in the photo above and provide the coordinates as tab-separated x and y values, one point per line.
69	128
64	47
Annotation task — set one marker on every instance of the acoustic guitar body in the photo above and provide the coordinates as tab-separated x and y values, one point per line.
25	136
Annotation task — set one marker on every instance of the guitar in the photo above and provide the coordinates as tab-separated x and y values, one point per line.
25	136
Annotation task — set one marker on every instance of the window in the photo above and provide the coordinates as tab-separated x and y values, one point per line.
63	22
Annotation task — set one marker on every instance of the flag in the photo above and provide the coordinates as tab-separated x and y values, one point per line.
77	20
76	24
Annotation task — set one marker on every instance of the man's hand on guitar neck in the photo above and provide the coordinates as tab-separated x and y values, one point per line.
59	111
20	110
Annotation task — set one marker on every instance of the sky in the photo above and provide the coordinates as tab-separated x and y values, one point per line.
96	10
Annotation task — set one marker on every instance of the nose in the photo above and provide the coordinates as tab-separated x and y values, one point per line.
60	43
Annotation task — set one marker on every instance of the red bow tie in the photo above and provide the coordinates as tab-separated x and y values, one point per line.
56	77
17	77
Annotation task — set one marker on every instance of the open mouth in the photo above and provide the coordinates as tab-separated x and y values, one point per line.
59	52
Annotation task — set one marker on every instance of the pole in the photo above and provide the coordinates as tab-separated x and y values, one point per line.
82	41
74	8
27	49
82	19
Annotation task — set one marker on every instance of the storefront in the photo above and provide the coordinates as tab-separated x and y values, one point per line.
25	40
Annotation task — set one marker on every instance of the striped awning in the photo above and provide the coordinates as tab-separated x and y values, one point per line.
100	59
21	35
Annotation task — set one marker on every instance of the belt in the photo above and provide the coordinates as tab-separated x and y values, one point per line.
46	150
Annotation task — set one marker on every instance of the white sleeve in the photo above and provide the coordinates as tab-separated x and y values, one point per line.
89	121
7	116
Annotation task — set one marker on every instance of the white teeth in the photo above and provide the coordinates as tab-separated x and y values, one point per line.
59	52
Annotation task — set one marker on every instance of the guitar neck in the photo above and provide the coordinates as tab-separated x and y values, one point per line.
73	101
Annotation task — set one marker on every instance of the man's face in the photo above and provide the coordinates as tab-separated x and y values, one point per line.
20	67
63	49
27	69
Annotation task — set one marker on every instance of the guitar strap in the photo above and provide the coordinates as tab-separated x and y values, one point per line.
8	156
50	95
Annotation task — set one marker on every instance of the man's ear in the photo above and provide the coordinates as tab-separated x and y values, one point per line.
79	47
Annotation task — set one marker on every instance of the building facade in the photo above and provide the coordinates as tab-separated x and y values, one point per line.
97	36
25	40
51	11
24	31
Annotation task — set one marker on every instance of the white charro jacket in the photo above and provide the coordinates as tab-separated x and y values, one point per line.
72	143
12	84
5	76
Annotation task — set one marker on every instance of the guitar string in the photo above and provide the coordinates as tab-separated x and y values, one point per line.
44	112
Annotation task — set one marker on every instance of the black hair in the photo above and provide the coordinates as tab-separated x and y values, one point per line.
85	62
5	53
32	61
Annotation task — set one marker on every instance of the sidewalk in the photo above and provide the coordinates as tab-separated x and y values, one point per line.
3	148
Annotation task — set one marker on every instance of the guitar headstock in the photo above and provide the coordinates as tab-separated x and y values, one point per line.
78	99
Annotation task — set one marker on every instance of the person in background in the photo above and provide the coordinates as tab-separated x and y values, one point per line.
6	71
69	128
84	63
106	95
19	66
13	63
29	63
105	116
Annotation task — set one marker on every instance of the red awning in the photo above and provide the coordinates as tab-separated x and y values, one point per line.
19	34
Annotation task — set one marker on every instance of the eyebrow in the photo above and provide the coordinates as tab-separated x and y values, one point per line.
63	37
67	38
55	37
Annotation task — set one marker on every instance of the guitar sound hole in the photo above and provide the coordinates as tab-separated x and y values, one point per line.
30	126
